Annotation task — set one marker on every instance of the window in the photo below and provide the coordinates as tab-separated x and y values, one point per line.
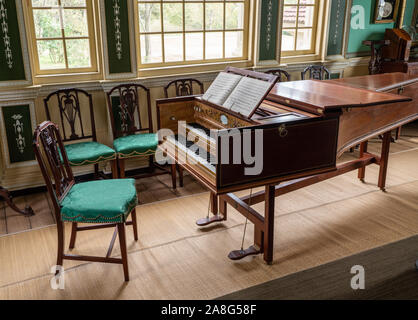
299	27
173	32
63	35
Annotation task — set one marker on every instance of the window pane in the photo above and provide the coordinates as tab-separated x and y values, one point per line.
44	3
51	54
214	45
288	40
149	17
173	16
214	16
304	39
78	53
289	16
75	23
234	15
73	3
194	16
47	23
233	44
307	2
290	1
151	51
305	16
173	47
194	46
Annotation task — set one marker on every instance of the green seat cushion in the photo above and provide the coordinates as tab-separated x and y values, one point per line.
100	201
90	152
142	144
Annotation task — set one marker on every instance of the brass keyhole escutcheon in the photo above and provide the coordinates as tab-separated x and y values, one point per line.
283	131
401	90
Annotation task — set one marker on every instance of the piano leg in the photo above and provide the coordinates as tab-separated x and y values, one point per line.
214	209
362	170
384	160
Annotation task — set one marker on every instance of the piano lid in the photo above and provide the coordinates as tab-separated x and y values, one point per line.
378	82
318	96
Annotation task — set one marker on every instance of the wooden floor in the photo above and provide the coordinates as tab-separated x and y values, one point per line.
150	189
174	259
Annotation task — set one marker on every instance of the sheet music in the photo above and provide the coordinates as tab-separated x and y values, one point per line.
247	95
221	88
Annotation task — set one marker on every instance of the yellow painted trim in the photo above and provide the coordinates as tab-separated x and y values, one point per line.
172	66
66	74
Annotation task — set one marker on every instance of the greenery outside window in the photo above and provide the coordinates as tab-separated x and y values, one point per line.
186	32
300	20
62	33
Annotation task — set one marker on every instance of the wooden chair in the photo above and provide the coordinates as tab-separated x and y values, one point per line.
70	112
183	87
5	194
131	139
282	74
316	72
106	203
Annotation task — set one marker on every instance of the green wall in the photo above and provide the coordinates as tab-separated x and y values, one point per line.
370	32
409	12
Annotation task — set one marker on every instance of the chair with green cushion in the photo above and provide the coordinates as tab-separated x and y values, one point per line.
106	203
85	150
131	137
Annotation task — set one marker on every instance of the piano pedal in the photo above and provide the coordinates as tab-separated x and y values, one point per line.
208	220
240	254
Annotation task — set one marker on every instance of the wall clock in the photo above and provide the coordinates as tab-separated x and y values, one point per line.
386	11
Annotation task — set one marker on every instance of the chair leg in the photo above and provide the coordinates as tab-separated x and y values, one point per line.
73	235
96	170
173	175
134	224
180	168
114	164
122	243
398	133
61	239
121	164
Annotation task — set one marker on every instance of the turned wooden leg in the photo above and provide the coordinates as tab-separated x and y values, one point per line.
173	175
213	203
362	170
384	157
398	133
61	240
73	235
114	164
223	207
269	223
124	254
28	211
134	224
121	165
180	168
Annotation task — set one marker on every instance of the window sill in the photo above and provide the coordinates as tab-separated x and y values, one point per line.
192	69
66	77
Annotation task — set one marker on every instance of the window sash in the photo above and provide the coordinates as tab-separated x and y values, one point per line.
296	28
90	37
184	32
